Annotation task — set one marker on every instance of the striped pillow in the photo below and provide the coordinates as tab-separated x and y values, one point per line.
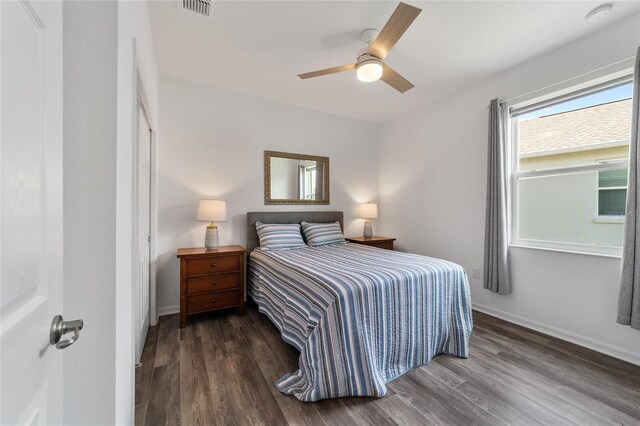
320	234
279	236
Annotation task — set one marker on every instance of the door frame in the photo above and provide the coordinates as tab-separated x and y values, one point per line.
139	95
134	81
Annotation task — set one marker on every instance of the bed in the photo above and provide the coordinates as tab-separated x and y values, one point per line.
360	316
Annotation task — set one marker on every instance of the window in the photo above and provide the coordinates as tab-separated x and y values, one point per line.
307	176
310	182
612	192
569	168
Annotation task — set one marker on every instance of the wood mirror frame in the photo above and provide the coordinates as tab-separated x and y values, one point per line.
268	155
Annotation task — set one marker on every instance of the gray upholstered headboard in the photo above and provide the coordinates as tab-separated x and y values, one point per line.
286	217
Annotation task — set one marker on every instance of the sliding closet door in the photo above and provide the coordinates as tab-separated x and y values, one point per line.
141	292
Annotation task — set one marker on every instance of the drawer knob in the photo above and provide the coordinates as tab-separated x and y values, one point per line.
213	283
213	265
213	300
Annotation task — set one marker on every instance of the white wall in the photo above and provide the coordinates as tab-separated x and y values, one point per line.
134	28
213	143
98	147
432	198
90	82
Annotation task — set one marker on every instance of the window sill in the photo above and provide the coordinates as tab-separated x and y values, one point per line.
609	219
614	253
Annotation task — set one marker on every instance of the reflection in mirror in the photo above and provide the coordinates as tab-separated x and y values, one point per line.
296	179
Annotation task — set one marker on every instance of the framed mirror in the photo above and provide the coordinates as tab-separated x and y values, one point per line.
295	178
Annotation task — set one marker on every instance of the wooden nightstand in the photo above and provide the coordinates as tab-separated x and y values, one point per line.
380	242
211	280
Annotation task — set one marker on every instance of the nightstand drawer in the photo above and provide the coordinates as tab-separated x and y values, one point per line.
384	245
212	282
212	265
210	301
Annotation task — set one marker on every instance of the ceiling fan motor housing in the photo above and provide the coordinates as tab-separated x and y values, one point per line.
368	66
366	58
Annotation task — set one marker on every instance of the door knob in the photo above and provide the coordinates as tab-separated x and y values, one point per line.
59	328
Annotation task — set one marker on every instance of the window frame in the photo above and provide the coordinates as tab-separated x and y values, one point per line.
512	111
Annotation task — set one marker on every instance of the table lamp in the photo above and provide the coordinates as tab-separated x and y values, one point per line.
212	211
368	211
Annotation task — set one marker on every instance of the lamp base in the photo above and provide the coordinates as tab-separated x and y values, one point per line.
211	241
367	231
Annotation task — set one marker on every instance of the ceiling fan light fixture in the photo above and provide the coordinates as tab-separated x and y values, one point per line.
369	70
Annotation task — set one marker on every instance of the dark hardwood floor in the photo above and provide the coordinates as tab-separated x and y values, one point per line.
221	370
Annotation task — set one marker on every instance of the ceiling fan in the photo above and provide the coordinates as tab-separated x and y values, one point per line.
370	64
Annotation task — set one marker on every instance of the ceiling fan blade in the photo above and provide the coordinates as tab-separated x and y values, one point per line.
395	80
328	71
400	20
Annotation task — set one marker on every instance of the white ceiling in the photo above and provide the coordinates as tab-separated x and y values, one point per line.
259	47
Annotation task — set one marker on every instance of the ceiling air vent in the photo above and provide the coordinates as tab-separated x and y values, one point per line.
202	7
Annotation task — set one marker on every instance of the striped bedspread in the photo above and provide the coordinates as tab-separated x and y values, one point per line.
360	316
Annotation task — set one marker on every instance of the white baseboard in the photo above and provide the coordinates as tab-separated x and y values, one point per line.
579	340
168	310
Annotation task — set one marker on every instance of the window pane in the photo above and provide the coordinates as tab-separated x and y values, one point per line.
612	202
581	131
564	208
612	178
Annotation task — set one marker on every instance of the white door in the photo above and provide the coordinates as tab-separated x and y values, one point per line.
30	210
144	197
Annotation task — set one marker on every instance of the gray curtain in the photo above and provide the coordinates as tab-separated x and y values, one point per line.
496	255
629	298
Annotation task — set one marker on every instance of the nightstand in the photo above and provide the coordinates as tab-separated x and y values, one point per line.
380	242
211	280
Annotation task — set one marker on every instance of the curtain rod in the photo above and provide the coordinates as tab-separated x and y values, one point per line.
567	80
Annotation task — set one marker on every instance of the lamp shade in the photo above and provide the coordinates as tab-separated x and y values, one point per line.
212	211
369	211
